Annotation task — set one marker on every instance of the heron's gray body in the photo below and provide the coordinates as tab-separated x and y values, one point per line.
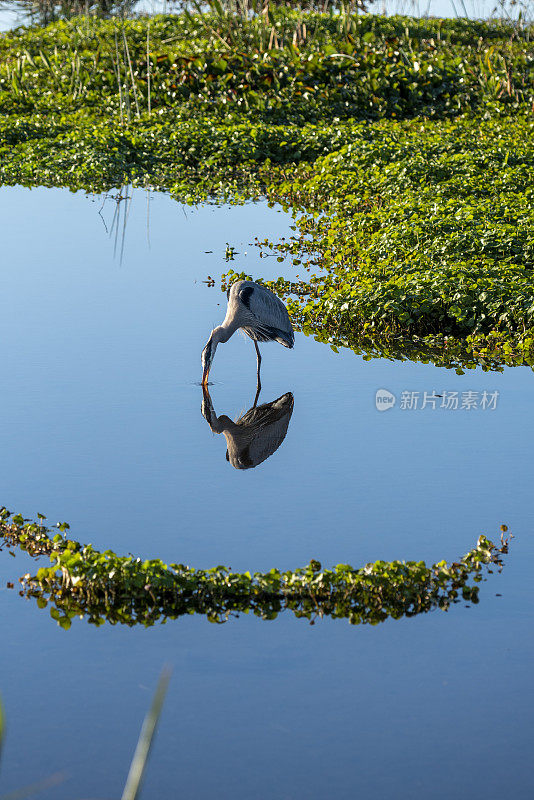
259	313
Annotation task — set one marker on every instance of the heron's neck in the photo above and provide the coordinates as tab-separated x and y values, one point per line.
223	332
223	424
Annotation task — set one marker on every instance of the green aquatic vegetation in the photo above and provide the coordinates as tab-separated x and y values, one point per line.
490	352
105	587
349	66
403	147
427	232
85	71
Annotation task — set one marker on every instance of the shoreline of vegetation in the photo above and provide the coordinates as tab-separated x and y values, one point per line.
105	587
403	147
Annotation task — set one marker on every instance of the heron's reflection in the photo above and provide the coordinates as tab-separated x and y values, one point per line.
255	435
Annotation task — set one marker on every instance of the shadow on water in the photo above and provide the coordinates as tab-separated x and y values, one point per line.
256	434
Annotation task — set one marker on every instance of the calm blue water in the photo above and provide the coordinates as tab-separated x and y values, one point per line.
101	426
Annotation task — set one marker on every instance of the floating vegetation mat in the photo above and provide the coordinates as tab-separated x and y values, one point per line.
105	587
404	148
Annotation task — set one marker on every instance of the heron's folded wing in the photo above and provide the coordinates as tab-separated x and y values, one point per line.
269	312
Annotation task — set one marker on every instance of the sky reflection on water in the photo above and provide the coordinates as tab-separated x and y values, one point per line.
101	426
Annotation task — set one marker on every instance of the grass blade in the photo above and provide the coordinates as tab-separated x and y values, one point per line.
134	87
1	727
139	761
148	66
119	77
40	786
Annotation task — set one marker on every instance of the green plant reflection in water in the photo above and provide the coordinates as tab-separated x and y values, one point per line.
256	434
105	587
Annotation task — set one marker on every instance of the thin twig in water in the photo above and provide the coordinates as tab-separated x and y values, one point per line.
126	86
148	65
119	77
127	50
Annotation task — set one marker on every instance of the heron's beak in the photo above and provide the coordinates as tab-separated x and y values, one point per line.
205	377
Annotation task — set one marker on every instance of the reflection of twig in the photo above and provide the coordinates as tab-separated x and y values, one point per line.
142	751
116	230
100	215
1	712
148	217
125	220
115	224
39	786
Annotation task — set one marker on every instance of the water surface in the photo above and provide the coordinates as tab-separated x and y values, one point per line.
101	425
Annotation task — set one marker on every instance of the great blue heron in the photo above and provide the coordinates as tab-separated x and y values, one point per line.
259	313
256	435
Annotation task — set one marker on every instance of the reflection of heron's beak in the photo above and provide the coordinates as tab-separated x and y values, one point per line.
206	407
